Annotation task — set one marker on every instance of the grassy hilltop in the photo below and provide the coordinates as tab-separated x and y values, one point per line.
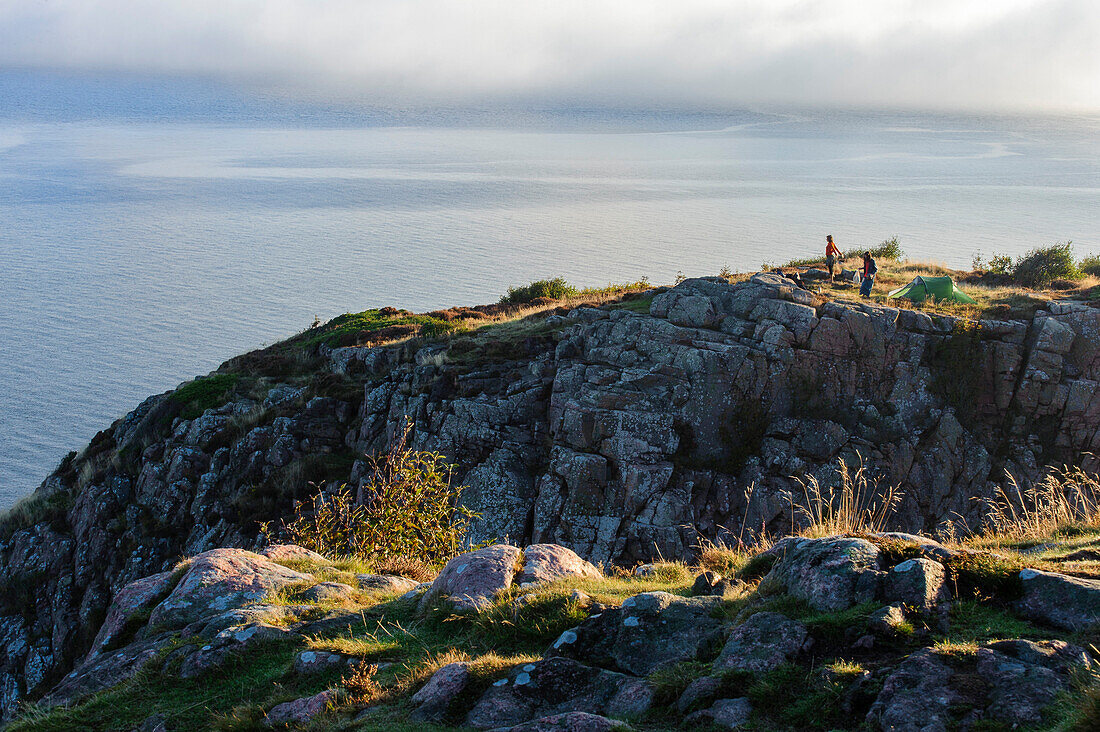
387	648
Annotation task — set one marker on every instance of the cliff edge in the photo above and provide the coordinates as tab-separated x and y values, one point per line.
623	432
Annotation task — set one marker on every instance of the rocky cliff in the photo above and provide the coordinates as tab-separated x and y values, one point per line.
622	432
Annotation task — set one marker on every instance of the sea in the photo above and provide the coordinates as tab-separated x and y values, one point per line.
152	227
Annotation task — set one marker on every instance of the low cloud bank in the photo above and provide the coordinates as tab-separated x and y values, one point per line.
1013	54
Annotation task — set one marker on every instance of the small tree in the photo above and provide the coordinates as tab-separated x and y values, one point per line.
408	508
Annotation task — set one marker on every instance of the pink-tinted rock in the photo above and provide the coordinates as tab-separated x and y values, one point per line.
833	573
328	592
385	583
228	644
218	580
471	580
568	722
917	696
436	696
131	600
291	552
301	710
548	562
103	670
699	692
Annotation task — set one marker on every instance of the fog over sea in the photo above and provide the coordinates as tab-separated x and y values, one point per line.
152	228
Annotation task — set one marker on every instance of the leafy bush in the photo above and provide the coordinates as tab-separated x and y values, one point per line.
1000	264
555	289
410	510
888	249
201	394
1041	266
1090	265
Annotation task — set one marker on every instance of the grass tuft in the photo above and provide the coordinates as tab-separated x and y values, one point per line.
854	506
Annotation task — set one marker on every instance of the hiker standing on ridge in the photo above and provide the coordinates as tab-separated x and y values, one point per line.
832	255
870	269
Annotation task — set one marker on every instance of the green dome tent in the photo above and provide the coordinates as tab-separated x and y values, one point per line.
938	288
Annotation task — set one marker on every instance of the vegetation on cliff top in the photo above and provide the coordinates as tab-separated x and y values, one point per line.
1062	521
1003	288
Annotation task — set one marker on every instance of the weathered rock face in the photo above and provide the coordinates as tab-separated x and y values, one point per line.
218	580
831	574
548	562
300	711
649	631
1066	602
434	698
762	643
621	435
916	582
557	686
472	580
1012	682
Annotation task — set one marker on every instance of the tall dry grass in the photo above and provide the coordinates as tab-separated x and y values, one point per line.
1064	498
854	505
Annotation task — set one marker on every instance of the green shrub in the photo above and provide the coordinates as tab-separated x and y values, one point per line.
201	394
1041	266
1000	264
1090	265
411	510
888	249
555	289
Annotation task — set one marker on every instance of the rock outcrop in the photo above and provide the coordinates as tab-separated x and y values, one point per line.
619	434
699	661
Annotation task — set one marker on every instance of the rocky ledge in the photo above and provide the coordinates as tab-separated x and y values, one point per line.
623	432
874	632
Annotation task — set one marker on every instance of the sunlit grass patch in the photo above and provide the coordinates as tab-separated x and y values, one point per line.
845	668
956	648
613	590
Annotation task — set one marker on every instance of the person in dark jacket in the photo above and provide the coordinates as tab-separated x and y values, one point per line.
868	272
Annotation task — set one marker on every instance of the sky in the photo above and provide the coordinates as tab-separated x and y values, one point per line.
1009	55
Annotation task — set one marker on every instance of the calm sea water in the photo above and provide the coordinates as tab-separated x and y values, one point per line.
150	229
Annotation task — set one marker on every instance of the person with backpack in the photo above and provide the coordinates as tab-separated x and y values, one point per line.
868	272
832	255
